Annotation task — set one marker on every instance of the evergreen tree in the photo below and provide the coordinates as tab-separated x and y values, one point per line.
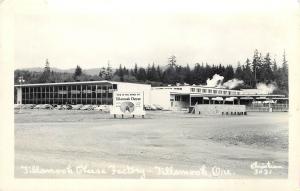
141	75
255	65
109	72
267	73
239	74
102	73
120	73
135	70
77	72
159	73
228	73
274	68
248	76
172	61
188	78
154	74
45	77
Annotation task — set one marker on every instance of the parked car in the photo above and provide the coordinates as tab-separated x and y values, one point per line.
158	107
46	106
77	107
147	107
102	108
38	106
59	107
67	107
87	107
152	107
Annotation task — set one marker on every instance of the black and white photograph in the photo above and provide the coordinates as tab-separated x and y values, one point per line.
151	90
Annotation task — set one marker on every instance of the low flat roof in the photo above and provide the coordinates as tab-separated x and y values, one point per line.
191	86
240	95
78	83
66	83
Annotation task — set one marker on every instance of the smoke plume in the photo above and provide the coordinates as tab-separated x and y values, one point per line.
217	81
230	84
266	88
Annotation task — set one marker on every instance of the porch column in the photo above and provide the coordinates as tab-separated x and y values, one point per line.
209	100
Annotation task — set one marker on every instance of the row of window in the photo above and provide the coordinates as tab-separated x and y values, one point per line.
99	91
56	95
103	101
89	88
213	91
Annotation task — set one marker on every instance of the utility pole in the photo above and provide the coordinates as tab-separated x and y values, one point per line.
21	80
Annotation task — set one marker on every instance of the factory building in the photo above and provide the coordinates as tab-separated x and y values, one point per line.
174	97
91	92
168	97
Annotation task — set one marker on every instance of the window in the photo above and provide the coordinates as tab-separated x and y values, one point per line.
198	89
115	86
209	91
203	90
192	89
215	91
177	98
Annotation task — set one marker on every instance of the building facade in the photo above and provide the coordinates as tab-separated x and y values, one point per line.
176	97
168	97
92	92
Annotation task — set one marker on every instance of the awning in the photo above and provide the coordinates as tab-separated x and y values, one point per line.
217	99
261	98
231	98
269	101
246	98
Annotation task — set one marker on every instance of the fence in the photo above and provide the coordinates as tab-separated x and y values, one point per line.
268	107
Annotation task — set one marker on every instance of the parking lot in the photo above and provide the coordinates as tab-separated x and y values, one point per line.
163	145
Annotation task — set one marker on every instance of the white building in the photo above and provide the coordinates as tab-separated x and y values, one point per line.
101	93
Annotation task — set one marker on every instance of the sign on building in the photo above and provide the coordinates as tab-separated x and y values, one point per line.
128	103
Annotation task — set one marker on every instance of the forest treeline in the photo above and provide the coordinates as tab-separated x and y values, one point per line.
259	69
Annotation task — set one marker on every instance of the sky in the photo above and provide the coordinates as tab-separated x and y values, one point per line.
91	33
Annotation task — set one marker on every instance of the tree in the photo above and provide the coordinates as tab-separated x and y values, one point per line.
239	74
228	73
188	78
120	73
109	72
267	73
255	64
45	77
141	75
77	72
172	61
135	70
283	79
102	73
247	74
159	73
274	68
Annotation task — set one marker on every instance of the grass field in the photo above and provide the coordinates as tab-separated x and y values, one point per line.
63	143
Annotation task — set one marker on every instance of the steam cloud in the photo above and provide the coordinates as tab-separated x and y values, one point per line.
266	88
230	84
217	81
